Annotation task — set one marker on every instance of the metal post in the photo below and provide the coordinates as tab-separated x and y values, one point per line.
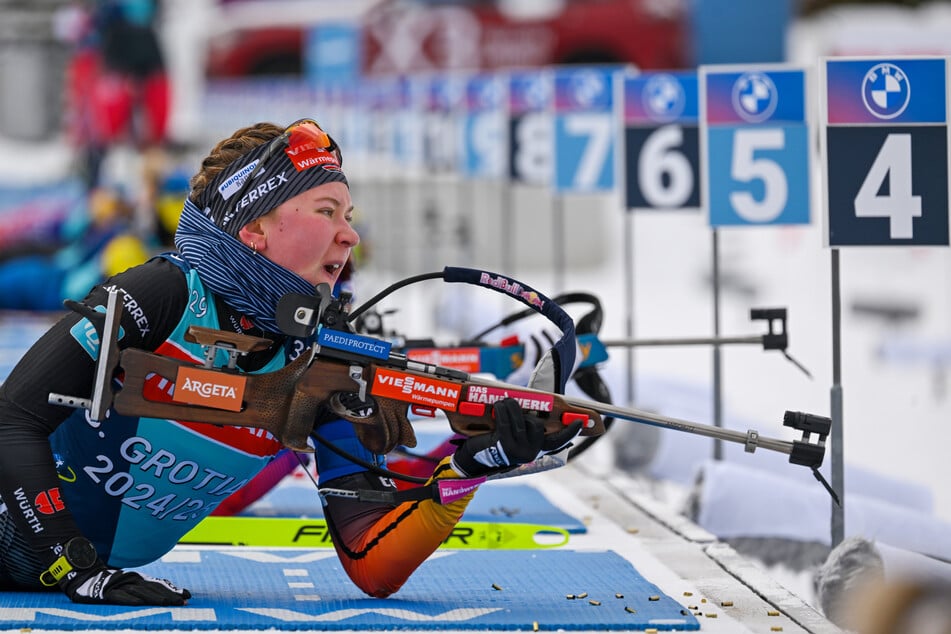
506	243
717	404
629	300
558	240
838	472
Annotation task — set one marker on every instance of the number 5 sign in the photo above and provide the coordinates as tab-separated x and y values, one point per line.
884	147
754	135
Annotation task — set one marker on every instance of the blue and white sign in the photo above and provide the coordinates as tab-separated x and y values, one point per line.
408	122
531	142
485	127
661	141
333	53
884	147
379	98
442	129
754	137
585	129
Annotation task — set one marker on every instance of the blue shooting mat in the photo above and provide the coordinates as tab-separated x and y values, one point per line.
519	503
280	589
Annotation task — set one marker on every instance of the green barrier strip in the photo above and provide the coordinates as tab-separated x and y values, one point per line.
313	533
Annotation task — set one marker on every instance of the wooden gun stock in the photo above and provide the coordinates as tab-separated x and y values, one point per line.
377	399
269	401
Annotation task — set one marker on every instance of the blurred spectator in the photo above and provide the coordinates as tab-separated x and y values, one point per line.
173	188
41	281
117	88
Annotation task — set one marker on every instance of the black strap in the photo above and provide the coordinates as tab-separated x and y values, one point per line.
394	498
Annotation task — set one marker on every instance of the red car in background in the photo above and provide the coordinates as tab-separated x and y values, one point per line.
405	36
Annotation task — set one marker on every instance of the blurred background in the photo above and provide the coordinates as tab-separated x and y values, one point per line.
107	107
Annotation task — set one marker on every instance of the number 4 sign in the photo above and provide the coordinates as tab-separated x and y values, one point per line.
884	147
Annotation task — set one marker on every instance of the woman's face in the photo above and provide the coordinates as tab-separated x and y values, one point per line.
309	234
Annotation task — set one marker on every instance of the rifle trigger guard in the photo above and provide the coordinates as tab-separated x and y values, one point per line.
345	405
354	404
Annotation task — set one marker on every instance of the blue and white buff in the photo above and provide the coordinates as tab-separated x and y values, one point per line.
248	282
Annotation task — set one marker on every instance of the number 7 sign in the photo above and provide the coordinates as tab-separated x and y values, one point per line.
585	129
884	147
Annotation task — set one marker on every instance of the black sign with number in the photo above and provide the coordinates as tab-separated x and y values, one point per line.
870	202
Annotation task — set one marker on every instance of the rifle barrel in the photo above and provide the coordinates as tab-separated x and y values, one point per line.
689	341
751	439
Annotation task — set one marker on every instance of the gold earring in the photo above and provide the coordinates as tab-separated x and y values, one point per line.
254	249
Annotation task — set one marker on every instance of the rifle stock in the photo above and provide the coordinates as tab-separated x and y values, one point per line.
269	401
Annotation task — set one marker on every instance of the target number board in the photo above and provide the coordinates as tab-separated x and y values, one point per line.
884	147
754	136
661	142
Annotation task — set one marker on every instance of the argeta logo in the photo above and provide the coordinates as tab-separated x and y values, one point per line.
886	91
663	97
754	97
219	390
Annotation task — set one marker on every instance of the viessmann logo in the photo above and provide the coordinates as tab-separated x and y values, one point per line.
415	389
198	386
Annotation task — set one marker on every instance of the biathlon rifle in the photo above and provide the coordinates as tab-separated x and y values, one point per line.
363	381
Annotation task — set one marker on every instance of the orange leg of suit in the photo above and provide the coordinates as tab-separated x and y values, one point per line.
383	545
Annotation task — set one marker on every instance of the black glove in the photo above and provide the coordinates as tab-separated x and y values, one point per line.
100	584
517	439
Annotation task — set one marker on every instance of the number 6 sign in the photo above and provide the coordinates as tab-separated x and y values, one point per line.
884	147
661	146
754	134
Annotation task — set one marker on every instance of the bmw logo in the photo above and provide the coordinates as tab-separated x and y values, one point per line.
754	97
885	91
537	92
663	97
587	87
